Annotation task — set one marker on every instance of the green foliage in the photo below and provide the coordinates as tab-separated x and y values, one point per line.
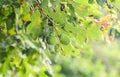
100	2
90	1
93	32
34	28
59	38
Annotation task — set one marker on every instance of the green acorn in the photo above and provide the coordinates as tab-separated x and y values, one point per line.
52	40
64	39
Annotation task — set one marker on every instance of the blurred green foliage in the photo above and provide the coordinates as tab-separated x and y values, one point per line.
59	38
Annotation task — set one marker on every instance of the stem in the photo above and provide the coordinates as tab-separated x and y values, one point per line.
54	24
16	15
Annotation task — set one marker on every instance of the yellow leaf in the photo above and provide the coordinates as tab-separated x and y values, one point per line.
26	17
12	31
118	30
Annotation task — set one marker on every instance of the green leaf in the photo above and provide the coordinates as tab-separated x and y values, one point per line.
4	2
90	1
100	2
5	66
72	10
93	32
67	50
34	29
44	4
112	0
25	9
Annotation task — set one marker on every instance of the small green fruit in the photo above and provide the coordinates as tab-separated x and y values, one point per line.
52	40
64	39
